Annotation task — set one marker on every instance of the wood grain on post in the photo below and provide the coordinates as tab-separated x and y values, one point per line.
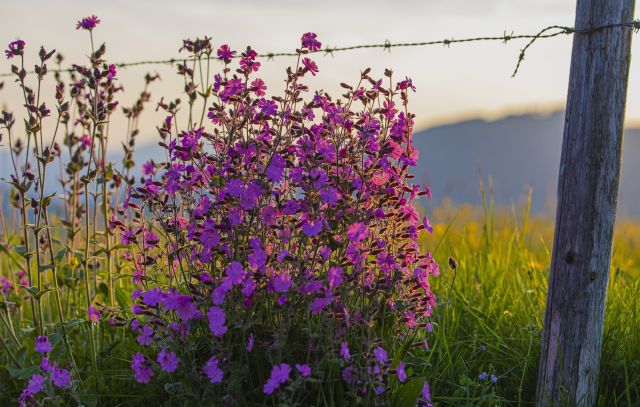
587	198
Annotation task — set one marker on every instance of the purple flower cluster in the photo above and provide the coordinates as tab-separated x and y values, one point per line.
279	375
15	48
5	286
168	360
88	23
60	377
36	385
94	314
213	372
277	210
142	372
52	373
43	345
280	233
310	42
216	321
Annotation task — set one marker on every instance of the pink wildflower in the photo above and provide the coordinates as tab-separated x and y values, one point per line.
335	276
60	377
310	65
250	343
168	360
309	41
212	370
15	48
357	232
225	53
152	297
380	354
45	365
259	87
43	345
88	23
344	351
311	227
36	384
279	375
145	337
149	168
402	375
304	370
141	371
5	285
216	321
94	314
236	272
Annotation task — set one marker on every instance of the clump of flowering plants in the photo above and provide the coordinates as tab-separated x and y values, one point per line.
276	250
57	254
272	258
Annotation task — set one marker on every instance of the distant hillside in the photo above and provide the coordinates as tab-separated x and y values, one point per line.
516	152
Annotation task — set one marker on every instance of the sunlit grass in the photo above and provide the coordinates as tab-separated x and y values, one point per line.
491	308
489	319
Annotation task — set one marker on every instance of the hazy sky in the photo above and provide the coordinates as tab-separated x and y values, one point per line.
458	82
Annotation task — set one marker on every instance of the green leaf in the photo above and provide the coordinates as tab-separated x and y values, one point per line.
122	298
45	267
35	294
173	388
60	255
41	293
41	228
73	322
10	255
22	374
27	330
409	393
31	290
103	290
86	392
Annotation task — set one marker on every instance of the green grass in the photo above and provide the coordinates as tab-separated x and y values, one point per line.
489	319
492	307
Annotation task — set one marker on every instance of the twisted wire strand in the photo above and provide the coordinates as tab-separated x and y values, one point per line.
547	32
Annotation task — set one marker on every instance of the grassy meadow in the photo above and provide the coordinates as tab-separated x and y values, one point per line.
489	321
485	343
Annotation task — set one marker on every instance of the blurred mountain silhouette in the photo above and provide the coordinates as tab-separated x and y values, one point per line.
516	152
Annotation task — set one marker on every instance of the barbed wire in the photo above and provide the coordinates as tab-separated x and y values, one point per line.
547	32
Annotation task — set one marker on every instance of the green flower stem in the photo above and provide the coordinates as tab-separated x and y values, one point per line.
8	350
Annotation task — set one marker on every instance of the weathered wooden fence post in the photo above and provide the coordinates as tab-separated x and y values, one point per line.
587	198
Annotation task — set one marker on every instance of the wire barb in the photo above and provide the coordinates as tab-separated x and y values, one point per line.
387	46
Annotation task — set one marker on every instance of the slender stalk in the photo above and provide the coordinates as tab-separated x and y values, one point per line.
8	350
36	234
56	292
23	209
94	360
85	263
107	232
27	257
12	333
9	264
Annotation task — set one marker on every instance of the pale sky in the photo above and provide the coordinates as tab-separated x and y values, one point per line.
463	81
